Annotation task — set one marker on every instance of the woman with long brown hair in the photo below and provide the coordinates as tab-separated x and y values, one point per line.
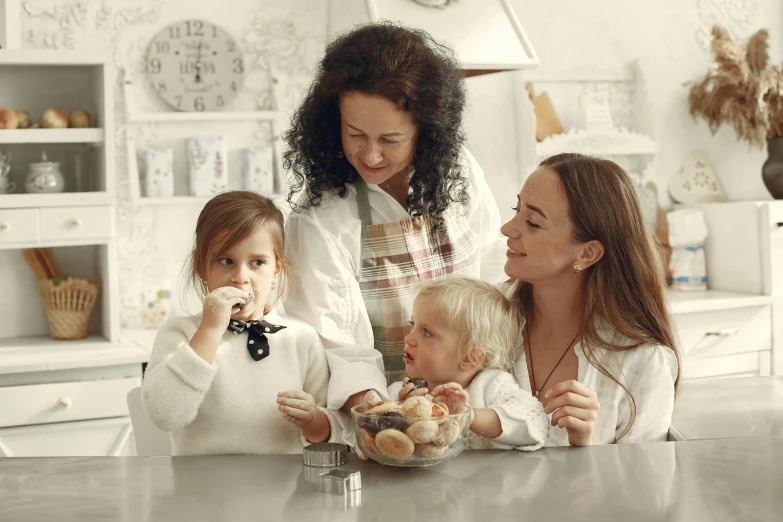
599	346
385	195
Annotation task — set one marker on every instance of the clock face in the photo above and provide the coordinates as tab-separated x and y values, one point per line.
195	65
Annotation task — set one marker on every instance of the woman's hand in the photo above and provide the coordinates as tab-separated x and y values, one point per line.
450	392
575	408
219	305
408	390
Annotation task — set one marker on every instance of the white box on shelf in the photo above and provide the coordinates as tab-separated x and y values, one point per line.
159	173
259	175
208	166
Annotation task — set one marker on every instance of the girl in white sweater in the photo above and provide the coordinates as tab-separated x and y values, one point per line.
239	378
464	340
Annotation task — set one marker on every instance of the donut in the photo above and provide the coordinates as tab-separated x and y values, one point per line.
418	382
390	420
439	410
422	432
394	443
429	450
382	408
372	399
368	441
448	432
416	407
246	301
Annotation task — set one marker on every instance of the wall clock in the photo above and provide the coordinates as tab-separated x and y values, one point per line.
195	65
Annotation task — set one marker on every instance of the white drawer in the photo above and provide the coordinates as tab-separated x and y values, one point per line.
76	223
18	225
65	401
725	332
725	366
101	438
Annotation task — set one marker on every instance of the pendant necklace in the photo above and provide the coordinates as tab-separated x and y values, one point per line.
533	372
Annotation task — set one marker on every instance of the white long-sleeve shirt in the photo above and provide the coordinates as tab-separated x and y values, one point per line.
523	421
648	371
230	406
324	246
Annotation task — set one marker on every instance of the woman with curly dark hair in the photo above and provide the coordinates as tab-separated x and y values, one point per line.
384	195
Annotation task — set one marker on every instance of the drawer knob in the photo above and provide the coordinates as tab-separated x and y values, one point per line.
5	226
64	403
723	333
75	223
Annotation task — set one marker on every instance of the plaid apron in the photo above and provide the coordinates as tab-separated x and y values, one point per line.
395	257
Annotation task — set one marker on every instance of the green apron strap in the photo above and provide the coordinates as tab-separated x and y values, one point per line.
364	203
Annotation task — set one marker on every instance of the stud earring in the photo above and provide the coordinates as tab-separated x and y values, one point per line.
577	269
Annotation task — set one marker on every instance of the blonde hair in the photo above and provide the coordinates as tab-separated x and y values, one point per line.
487	324
226	220
627	287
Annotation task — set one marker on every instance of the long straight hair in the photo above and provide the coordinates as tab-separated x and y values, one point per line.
627	287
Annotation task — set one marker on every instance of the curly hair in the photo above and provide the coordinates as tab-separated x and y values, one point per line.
418	75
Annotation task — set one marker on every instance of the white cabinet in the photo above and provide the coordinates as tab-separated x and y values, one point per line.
107	437
18	225
62	398
67	399
736	328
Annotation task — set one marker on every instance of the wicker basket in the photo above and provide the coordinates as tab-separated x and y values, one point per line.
68	305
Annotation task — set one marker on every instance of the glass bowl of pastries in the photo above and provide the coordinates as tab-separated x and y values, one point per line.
411	433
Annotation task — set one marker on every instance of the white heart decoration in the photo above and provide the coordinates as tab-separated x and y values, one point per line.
697	182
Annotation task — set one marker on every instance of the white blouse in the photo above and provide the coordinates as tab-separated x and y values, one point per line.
648	371
324	246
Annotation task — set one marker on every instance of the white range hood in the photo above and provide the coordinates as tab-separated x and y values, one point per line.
486	34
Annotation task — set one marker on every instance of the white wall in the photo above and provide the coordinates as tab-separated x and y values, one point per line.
667	37
670	39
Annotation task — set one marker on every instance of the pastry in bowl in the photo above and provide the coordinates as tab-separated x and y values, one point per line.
414	432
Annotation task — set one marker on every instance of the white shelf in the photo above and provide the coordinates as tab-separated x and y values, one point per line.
52	57
185	117
710	300
597	151
25	136
42	353
144	338
176	200
187	200
67	199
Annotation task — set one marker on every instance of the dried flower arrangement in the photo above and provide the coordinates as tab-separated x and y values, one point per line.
742	89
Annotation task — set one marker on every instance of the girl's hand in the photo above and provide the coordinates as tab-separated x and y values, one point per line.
575	408
297	407
408	391
219	304
450	392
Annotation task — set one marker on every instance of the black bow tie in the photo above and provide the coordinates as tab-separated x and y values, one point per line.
257	344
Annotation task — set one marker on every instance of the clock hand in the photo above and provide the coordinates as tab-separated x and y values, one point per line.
198	63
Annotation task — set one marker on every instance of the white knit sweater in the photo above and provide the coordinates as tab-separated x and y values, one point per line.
522	418
230	406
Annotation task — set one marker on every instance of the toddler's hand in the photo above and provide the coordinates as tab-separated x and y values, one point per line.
408	390
219	305
450	392
297	407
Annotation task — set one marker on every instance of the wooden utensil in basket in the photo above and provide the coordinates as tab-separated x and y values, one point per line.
68	301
